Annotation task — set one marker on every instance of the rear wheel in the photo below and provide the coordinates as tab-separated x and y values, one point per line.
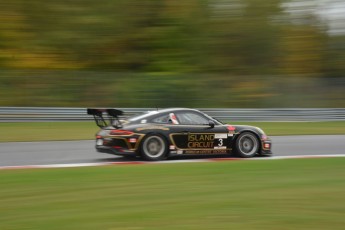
154	148
247	145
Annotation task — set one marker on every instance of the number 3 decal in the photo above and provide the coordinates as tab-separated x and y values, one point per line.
220	142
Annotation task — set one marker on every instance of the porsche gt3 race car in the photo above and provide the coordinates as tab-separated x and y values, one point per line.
157	135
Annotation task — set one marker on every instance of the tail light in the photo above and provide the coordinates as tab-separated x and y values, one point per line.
120	132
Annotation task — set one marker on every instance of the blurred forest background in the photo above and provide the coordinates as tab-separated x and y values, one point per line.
163	53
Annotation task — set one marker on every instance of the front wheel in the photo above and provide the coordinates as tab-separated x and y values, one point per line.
247	145
154	148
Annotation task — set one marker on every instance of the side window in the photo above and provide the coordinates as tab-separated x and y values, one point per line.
191	119
164	119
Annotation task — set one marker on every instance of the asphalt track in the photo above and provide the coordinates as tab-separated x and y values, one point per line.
73	152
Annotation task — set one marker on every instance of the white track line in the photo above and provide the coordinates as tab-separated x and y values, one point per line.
165	162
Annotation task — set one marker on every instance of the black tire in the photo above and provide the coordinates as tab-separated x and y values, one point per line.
247	145
154	148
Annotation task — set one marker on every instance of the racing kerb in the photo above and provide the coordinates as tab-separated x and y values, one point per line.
77	165
24	114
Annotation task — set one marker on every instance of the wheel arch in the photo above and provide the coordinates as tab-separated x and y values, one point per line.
154	132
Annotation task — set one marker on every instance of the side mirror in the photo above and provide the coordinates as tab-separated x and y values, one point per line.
211	123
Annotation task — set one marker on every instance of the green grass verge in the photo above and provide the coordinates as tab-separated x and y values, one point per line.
280	194
46	131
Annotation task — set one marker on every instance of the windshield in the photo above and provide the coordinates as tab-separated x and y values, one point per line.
212	118
218	120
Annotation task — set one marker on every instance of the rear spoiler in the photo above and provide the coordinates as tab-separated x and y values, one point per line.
112	119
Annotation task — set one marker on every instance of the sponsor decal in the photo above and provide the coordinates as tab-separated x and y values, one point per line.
200	141
231	128
132	140
221	136
219	147
207	141
221	151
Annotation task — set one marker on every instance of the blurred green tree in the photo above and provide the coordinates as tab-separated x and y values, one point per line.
173	53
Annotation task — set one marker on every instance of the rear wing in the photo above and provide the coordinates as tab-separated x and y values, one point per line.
112	117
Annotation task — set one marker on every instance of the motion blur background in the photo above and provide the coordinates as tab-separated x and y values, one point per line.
163	53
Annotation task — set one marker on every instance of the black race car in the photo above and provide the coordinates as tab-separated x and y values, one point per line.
156	135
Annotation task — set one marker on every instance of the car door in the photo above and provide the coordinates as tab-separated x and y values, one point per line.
194	134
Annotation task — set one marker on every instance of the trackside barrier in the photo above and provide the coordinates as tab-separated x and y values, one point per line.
26	114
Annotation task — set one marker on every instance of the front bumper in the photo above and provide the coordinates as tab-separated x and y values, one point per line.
266	147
